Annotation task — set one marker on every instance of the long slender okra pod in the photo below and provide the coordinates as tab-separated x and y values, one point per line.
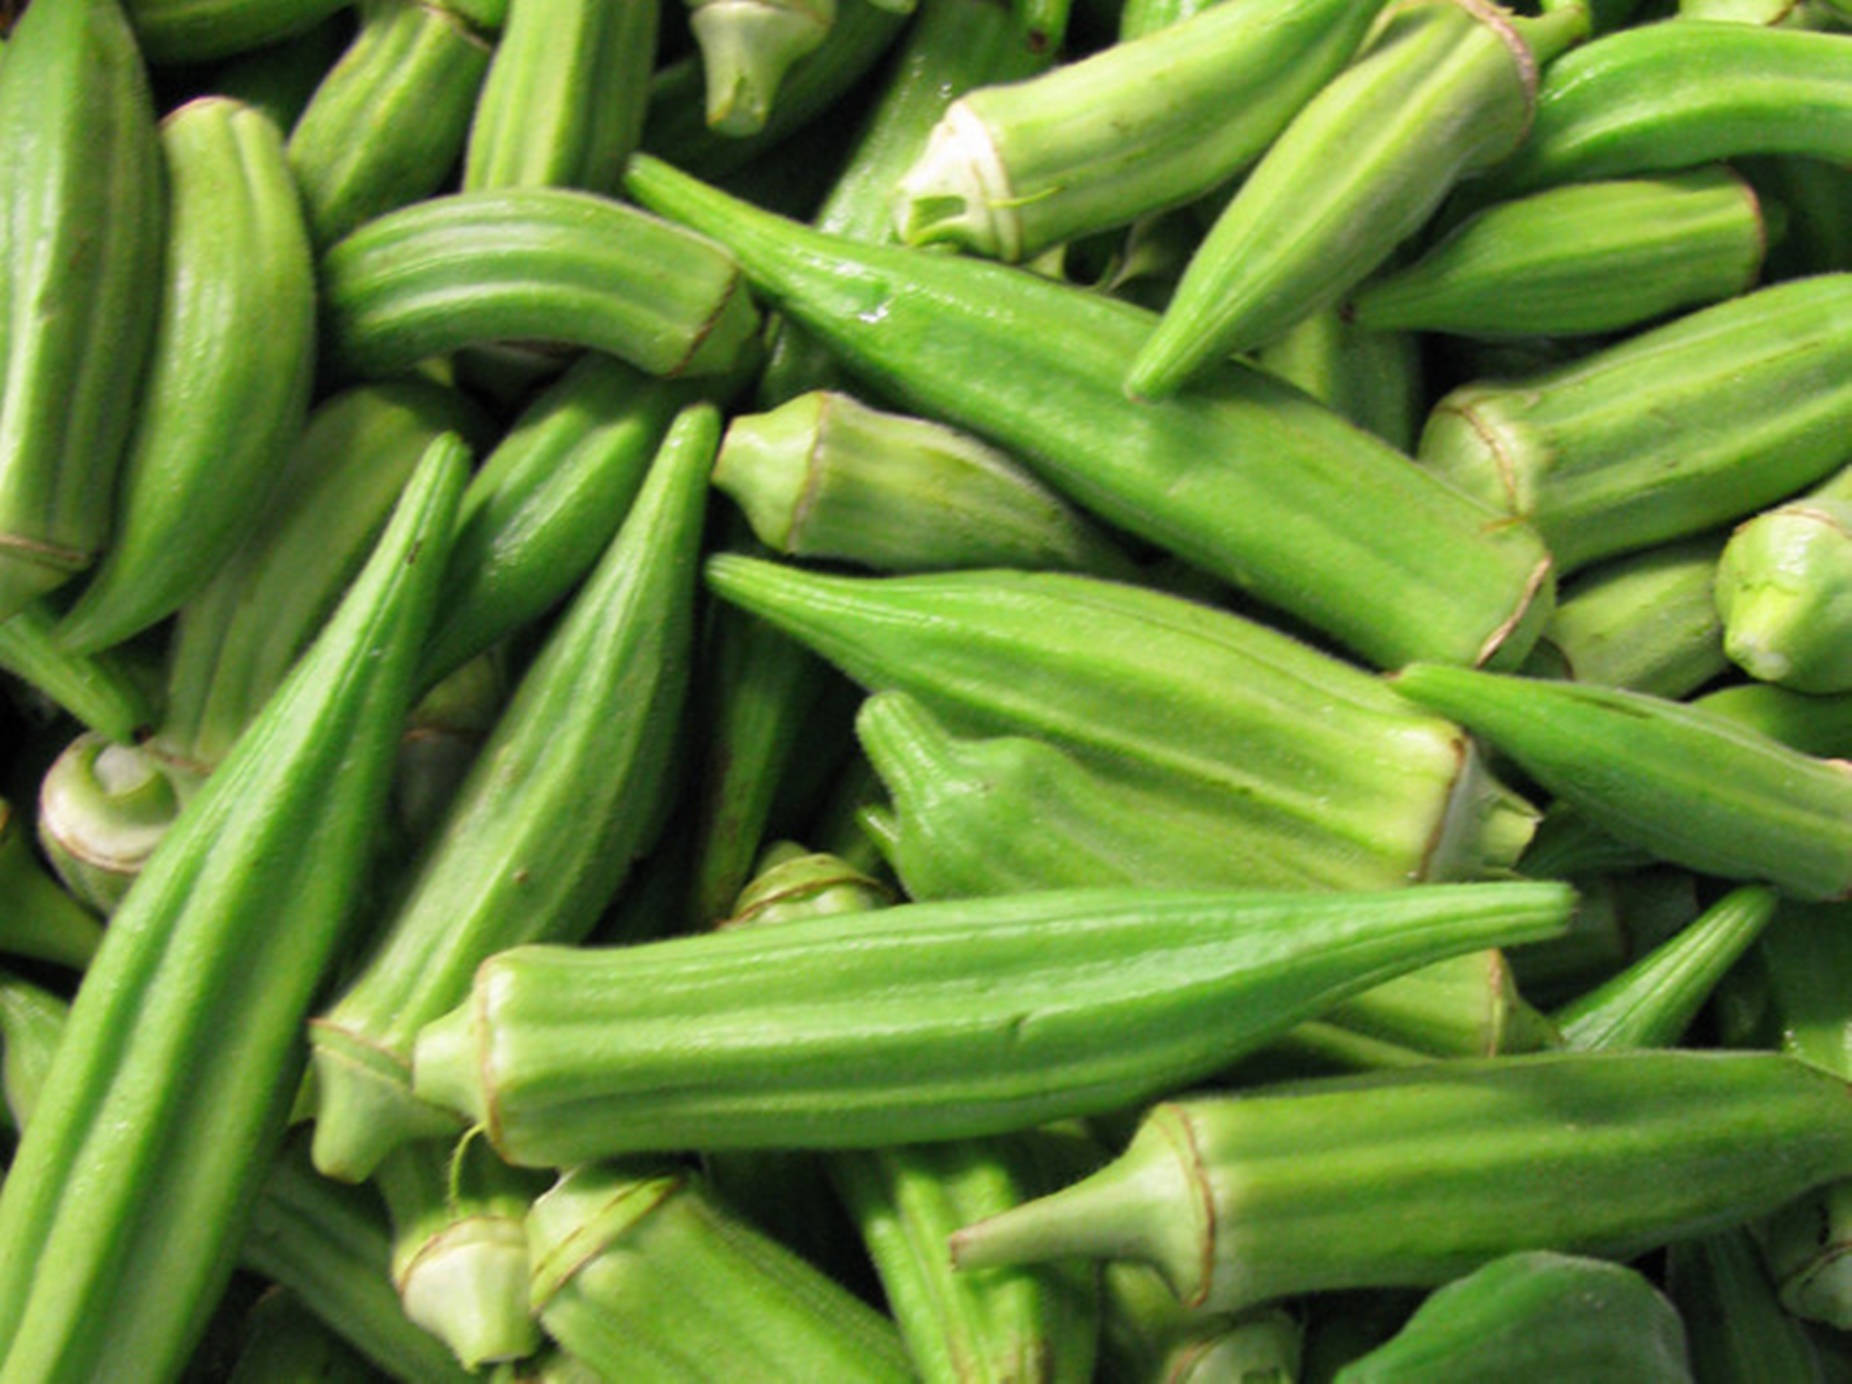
1737	1325
571	788
1315	516
990	1020
1416	1177
80	255
180	31
98	689
1445	88
132	1186
228	375
1784	590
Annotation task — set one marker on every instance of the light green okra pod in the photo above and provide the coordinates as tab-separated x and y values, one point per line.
1143	125
101	690
1784	591
572	787
1373	378
1738	1329
747	46
1669	433
1593	257
133	1184
183	31
228	375
1415	1177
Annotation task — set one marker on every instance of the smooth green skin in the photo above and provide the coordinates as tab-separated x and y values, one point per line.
1592	257
228	376
183	31
992	1016
547	501
1316	516
1445	89
572	787
1373	378
1416	1177
286	1343
132	1187
31	1023
389	121
1738	1329
99	690
1138	127
1665	96
102	810
1688	785
1647	622
747	46
1669	433
533	264
1651	1003
646	1276
80	261
563	102
1534	1318
1784	593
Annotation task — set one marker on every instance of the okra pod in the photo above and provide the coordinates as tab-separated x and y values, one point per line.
101	690
103	808
1319	518
1373	378
183	31
1445	89
31	1023
136	1178
794	883
444	731
1467	1006
1813	725
1738	1329
533	264
990	1020
1784	583
747	46
1416	1177
278	80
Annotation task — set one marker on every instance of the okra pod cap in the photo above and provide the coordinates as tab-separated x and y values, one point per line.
103	808
1784	592
747	46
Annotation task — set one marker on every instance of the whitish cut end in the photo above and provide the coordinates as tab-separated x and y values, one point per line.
958	191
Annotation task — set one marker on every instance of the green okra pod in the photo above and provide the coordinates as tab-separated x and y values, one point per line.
826	476
1418	1176
641	1274
1592	257
228	375
1535	1315
1319	518
563	102
134	1182
443	733
571	788
80	257
533	264
1692	787
1669	433
990	1020
1813	725
1784	591
1445	89
103	808
1373	378
183	31
794	883
1466	1006
1664	96
1738	1329
101	690
388	122
286	1343
1011	170
31	1023
747	46
278	80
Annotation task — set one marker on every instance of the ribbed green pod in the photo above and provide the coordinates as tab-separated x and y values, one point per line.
1140	126
183	31
134	1183
1373	378
100	690
1593	257
1418	1176
1674	431
1738	1330
228	375
572	787
1784	590
31	1023
80	257
990	1020
1318	517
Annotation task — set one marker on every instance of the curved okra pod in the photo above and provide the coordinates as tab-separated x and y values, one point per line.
1012	170
103	808
1664	96
1694	424
1738	1327
990	1021
1445	89
1373	378
386	125
1592	257
570	789
747	46
563	103
134	1182
228	377
641	1273
183	31
1415	1177
1535	1315
533	264
31	1023
100	690
1690	786
1784	591
1319	518
80	258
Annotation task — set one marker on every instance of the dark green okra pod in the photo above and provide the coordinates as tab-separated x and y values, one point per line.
1418	1176
1445	89
1011	170
1316	516
80	258
184	31
1672	432
570	789
286	1343
1784	591
1738	1330
101	690
134	1182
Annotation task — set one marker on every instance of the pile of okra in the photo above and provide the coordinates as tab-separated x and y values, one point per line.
968	690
